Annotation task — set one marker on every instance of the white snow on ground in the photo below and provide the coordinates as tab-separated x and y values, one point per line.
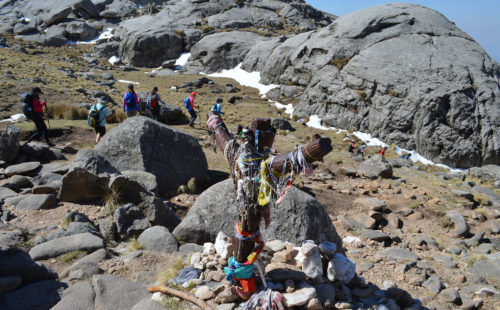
128	82
288	107
368	139
250	79
183	59
315	122
14	118
108	34
113	60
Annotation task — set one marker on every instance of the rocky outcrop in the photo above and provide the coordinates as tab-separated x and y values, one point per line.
297	218
9	143
142	144
403	73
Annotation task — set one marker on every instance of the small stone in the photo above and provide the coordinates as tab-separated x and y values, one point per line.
204	293
343	305
223	245
289	286
283	256
450	295
275	245
314	304
433	284
299	297
208	248
327	248
387	284
227	296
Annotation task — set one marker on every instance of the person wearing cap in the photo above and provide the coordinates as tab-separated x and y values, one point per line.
104	115
217	106
153	103
190	106
37	117
130	102
382	150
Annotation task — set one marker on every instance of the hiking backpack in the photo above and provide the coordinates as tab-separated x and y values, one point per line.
187	103
94	116
27	104
152	101
129	100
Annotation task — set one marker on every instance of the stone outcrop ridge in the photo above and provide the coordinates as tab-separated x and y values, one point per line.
402	72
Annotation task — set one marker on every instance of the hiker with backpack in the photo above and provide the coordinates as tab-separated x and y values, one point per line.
190	106
33	109
130	102
98	115
153	103
217	106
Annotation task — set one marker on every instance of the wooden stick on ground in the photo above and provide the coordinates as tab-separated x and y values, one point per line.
193	299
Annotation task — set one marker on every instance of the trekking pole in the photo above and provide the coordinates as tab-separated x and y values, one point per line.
199	112
47	112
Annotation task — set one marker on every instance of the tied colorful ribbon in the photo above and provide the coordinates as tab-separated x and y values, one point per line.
265	189
246	236
237	270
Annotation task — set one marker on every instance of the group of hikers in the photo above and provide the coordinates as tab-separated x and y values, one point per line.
361	151
32	107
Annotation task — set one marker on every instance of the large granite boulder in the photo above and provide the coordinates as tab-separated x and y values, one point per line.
142	144
224	50
9	143
401	72
297	218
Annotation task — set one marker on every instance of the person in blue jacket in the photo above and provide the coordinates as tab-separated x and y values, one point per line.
130	102
217	106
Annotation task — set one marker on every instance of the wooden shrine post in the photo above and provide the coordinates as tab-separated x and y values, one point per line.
252	151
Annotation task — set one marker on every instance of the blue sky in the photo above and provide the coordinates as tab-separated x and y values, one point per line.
480	19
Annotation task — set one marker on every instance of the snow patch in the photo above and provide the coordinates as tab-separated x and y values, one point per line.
245	78
128	82
288	107
182	60
14	118
315	122
108	34
113	60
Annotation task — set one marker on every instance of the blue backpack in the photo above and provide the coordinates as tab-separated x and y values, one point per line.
129	100
187	103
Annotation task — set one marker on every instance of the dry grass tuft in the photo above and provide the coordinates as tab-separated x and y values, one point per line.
71	256
340	63
111	202
174	266
66	111
134	245
482	199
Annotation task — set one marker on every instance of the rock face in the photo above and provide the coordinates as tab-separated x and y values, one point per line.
158	239
9	143
142	144
297	218
401	72
59	246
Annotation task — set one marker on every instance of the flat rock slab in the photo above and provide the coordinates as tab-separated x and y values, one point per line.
397	253
372	204
6	193
37	202
375	235
299	297
147	304
59	246
77	297
115	293
29	169
279	272
38	295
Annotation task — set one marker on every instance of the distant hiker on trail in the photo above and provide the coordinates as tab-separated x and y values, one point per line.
406	156
352	147
190	106
33	110
153	103
217	106
382	150
98	116
130	102
361	150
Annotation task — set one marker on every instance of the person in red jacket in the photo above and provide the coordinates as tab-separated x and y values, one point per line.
190	106
37	117
382	151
